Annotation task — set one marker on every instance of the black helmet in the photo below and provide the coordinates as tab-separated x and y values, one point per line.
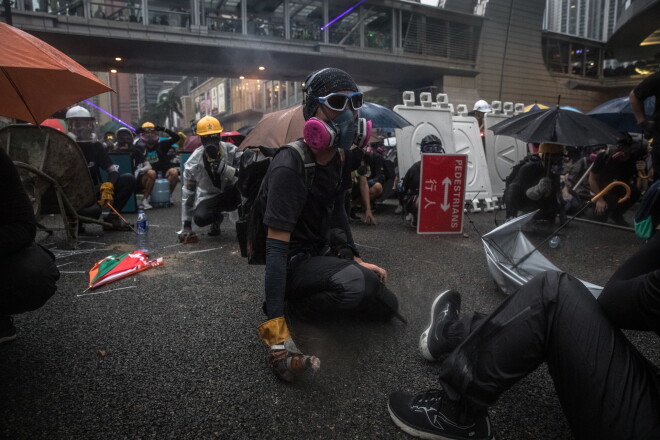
431	144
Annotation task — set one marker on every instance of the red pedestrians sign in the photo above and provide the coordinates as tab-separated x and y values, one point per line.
441	193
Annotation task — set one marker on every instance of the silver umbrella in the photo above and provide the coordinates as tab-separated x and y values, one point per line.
513	260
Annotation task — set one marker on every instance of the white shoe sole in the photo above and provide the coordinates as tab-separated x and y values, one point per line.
423	339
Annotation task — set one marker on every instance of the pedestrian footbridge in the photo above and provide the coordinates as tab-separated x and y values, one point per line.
382	43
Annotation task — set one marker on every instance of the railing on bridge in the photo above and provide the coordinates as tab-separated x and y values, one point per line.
371	26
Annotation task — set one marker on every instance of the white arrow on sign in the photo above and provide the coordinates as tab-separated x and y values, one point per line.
446	182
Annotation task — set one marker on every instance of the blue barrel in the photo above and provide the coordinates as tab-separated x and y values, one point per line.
160	194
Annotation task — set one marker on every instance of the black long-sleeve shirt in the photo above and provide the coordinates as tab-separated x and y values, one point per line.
17	223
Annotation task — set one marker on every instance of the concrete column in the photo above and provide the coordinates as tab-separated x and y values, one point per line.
326	14
287	20
244	18
145	12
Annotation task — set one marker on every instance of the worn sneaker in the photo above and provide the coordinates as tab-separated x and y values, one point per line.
432	415
215	228
7	329
144	204
435	340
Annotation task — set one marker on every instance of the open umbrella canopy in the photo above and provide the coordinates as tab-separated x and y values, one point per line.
233	137
618	114
57	124
534	107
36	79
382	117
284	126
276	129
506	246
558	126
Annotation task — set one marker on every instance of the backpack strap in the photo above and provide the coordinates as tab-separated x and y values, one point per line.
308	161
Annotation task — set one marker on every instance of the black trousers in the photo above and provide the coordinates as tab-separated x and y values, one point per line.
210	210
327	287
607	389
28	280
516	200
124	189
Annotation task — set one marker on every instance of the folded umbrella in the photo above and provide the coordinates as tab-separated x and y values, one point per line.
36	79
559	126
116	267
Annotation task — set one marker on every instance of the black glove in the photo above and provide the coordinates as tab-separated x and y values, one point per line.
650	128
159	128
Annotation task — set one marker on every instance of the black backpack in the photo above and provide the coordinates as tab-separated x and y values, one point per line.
250	229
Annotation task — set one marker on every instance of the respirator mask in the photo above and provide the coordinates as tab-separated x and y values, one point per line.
342	132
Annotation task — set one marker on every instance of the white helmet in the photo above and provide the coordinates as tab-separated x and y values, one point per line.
482	106
78	112
81	124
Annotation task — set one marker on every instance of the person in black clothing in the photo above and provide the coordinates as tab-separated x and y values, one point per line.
606	388
314	279
409	187
156	154
650	86
534	184
619	163
27	270
118	189
368	181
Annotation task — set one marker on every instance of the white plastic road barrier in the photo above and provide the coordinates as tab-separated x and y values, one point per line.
502	152
467	140
428	118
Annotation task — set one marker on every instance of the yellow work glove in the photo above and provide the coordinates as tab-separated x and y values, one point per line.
107	193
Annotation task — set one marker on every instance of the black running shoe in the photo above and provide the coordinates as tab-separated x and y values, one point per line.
215	228
434	341
7	329
432	415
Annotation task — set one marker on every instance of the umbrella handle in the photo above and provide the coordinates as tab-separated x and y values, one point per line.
608	188
641	174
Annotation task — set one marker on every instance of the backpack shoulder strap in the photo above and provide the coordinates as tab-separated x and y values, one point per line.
307	159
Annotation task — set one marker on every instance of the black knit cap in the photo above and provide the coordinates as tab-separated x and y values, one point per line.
322	83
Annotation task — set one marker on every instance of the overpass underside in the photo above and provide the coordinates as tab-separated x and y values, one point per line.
413	59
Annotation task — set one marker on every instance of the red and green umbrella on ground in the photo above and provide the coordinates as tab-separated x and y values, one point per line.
115	267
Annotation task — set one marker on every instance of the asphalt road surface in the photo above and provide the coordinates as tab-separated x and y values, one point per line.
176	355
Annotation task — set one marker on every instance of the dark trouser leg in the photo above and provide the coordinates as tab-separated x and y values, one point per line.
514	198
210	210
607	389
28	280
124	189
323	287
631	298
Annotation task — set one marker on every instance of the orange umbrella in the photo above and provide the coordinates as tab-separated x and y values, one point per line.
276	129
36	79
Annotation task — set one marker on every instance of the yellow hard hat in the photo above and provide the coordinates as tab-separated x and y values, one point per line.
148	125
208	125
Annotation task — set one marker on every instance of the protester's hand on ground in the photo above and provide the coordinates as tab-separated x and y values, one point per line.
382	273
601	207
369	218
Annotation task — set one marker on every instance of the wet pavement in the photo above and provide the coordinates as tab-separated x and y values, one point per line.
175	354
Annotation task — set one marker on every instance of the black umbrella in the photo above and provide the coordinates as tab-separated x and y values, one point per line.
382	117
558	126
617	113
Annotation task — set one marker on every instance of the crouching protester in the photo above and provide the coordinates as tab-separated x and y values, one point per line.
27	270
534	184
315	280
606	388
209	181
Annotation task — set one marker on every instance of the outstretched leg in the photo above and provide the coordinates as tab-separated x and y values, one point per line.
607	389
